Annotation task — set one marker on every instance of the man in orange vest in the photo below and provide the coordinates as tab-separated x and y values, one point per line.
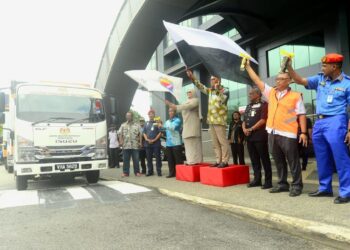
285	109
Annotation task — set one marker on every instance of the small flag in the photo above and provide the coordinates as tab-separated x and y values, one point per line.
155	81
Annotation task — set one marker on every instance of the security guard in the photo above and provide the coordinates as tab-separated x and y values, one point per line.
255	117
331	132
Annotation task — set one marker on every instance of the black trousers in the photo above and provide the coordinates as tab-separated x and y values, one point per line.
114	157
259	155
150	151
237	152
283	150
304	155
174	156
142	156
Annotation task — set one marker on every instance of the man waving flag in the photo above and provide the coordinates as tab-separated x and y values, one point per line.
219	54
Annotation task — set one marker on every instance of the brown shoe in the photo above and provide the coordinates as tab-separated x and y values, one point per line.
138	174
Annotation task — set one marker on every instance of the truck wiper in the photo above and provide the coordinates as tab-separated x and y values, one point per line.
76	121
51	119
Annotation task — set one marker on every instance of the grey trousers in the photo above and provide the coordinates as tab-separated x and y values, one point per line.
283	150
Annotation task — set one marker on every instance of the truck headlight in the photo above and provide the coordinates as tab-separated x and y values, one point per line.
25	150
101	148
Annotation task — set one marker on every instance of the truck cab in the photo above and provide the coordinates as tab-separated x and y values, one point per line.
54	129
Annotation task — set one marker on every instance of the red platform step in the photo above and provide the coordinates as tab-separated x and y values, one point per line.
189	173
223	177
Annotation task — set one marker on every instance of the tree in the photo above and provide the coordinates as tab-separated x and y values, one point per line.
136	115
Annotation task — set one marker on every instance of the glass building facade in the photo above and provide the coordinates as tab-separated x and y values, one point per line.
307	50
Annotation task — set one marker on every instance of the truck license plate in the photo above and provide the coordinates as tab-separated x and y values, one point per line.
70	166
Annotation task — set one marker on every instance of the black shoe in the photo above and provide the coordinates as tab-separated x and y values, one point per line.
278	190
170	176
321	194
149	174
294	192
254	184
341	200
159	174
223	165
214	165
266	186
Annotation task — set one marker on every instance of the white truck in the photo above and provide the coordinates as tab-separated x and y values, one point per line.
53	129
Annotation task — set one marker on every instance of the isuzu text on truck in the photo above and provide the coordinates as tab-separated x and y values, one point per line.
53	129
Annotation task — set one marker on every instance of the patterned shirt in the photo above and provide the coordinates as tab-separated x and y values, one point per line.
173	129
217	104
130	133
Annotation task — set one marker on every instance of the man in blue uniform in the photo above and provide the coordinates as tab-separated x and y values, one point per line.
331	132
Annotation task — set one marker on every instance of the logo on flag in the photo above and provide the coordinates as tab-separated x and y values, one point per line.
165	82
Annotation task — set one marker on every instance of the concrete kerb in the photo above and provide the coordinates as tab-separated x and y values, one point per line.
327	234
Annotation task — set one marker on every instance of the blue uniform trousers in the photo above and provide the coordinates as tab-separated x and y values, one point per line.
331	152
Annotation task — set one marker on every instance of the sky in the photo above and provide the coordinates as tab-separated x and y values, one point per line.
54	40
57	40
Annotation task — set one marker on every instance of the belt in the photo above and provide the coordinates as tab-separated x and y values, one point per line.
324	116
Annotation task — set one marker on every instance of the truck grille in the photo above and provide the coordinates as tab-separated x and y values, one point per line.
62	153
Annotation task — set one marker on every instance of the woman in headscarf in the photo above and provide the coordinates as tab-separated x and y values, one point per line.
191	133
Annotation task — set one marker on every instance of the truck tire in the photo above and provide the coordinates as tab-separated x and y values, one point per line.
92	176
21	182
9	169
5	163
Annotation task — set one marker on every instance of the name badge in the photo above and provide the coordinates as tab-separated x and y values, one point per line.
329	98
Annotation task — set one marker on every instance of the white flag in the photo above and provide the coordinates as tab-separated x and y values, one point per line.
154	80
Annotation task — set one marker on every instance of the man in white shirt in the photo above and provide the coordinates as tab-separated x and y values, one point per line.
286	112
113	148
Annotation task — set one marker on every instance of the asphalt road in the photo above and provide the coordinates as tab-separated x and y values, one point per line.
117	215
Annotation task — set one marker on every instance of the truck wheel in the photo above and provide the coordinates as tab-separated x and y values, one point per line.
21	182
92	176
10	169
5	163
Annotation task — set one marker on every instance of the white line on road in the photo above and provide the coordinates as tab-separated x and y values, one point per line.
14	198
79	193
124	188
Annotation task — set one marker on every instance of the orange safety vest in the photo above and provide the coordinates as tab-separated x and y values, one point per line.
281	113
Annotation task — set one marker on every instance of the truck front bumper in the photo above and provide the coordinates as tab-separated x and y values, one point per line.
59	167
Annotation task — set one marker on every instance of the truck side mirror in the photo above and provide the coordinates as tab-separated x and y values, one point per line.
113	119
2	102
112	103
2	118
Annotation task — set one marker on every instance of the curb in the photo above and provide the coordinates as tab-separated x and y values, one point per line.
328	234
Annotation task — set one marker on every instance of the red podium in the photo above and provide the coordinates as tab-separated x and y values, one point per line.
223	177
189	173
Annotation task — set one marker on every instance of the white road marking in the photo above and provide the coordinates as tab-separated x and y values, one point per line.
79	193
125	188
14	198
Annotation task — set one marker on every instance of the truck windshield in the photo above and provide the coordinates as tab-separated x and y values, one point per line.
35	107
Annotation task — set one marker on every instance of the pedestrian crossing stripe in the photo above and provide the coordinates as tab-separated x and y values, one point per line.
14	198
